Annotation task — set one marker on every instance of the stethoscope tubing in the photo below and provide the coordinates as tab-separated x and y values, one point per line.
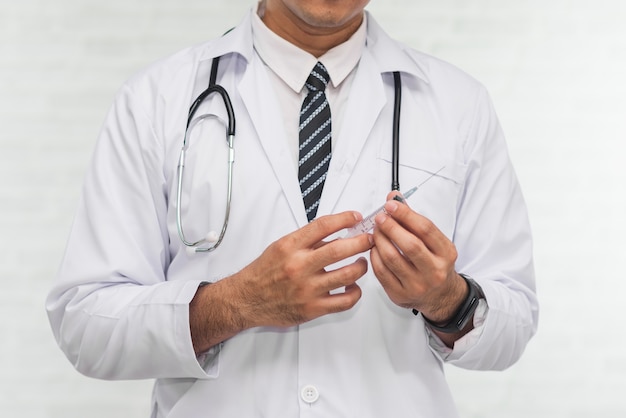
395	134
230	134
230	137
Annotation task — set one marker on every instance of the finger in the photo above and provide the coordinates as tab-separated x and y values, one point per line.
322	227
392	196
344	276
394	287
395	261
387	279
418	225
340	249
339	302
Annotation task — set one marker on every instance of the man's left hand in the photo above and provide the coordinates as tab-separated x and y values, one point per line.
414	262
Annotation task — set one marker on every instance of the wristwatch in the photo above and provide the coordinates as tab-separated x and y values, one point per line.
465	311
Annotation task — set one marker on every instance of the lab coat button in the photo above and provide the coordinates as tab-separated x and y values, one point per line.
309	394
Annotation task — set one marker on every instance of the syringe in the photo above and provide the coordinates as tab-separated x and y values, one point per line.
368	222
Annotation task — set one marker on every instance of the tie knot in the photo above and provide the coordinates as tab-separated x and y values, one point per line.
318	79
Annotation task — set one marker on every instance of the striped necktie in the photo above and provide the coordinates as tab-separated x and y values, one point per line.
315	132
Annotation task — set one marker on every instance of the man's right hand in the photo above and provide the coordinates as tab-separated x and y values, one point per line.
287	285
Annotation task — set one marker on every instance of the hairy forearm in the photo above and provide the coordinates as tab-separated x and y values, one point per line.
216	313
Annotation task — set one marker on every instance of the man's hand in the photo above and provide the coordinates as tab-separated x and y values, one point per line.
287	285
414	262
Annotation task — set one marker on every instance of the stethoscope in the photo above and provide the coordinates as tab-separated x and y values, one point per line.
212	238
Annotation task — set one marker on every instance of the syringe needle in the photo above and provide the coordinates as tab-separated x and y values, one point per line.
430	177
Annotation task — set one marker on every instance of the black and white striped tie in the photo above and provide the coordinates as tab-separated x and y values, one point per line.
315	145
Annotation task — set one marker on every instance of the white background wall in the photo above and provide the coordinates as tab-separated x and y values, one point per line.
556	70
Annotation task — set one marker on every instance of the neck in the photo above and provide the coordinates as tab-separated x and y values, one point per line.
315	38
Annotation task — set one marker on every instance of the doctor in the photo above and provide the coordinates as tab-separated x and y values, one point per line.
285	318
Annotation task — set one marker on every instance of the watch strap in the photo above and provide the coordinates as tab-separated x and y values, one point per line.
464	313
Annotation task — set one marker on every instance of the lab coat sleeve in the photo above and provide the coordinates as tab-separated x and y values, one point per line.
494	243
112	311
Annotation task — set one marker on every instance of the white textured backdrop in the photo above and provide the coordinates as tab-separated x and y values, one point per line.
556	70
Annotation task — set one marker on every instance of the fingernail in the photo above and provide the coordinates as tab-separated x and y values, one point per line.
391	206
380	218
370	238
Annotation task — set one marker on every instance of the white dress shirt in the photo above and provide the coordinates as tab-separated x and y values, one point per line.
290	67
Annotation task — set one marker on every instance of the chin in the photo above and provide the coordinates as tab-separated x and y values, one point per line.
329	20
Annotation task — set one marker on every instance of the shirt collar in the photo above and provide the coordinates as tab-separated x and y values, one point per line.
389	54
293	65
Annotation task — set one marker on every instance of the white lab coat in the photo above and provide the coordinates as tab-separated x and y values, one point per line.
119	309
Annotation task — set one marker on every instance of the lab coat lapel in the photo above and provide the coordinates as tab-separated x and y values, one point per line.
365	102
265	114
